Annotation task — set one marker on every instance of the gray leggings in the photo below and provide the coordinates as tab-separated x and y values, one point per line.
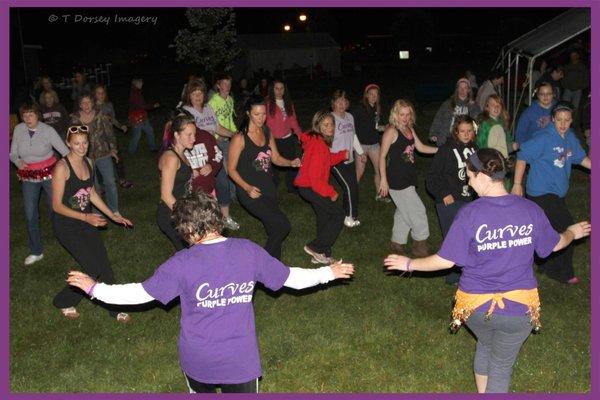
499	340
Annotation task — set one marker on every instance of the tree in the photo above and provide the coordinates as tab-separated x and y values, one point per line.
211	40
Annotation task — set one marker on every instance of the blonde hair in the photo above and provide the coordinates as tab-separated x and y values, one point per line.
51	93
398	104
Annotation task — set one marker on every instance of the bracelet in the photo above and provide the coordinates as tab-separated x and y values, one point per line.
408	265
91	291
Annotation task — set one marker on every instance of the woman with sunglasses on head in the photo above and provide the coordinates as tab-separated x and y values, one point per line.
75	226
102	147
31	150
175	172
250	156
215	280
494	239
537	115
550	154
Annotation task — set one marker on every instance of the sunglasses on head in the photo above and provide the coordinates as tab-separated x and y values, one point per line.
78	128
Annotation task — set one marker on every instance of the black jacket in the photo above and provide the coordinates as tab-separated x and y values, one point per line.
448	174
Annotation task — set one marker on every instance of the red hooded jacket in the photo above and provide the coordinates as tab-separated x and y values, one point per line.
316	163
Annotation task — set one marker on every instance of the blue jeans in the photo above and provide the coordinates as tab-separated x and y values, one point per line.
105	167
31	200
446	216
136	134
224	185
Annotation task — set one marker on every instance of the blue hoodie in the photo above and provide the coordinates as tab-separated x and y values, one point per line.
550	157
534	118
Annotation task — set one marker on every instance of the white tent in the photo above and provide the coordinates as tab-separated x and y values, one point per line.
534	44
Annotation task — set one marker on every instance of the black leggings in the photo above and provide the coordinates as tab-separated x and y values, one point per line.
330	220
276	224
199	387
345	175
85	245
163	219
558	265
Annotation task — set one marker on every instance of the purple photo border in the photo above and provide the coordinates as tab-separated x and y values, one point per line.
4	171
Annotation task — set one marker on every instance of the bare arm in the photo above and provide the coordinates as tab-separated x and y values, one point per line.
586	163
224	132
168	166
518	178
403	263
389	136
235	149
573	232
423	148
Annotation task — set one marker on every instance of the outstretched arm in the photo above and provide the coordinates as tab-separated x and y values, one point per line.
130	293
302	278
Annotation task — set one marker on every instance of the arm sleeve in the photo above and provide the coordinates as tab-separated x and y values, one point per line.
131	293
357	147
435	177
531	149
57	142
578	152
109	132
14	149
294	122
497	140
436	125
337	158
521	130
317	183
302	278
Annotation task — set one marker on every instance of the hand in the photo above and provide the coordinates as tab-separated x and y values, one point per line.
295	163
383	188
80	280
95	220
395	261
448	200
363	158
347	155
342	270
124	128
22	164
206	170
517	189
113	154
253	192
195	173
433	139
515	146
119	219
156	105
580	229
335	197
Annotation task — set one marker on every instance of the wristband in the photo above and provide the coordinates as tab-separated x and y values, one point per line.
408	265
90	291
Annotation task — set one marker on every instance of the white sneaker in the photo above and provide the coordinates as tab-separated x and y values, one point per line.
231	224
317	258
351	222
31	259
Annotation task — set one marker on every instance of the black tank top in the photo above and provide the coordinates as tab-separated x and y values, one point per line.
400	167
182	178
254	165
76	195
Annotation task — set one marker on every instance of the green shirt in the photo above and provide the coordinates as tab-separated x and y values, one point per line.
224	110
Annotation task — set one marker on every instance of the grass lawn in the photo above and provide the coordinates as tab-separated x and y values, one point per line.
376	333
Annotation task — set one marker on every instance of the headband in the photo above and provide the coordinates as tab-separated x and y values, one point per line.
463	80
562	106
371	86
476	162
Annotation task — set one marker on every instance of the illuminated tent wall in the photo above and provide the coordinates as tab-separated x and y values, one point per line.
518	57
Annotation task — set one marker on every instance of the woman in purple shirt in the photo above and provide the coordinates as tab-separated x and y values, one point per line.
214	279
494	238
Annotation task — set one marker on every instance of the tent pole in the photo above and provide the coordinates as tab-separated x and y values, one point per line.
507	98
514	107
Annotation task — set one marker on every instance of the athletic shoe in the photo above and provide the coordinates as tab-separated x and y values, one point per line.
573	281
231	224
32	259
317	258
125	184
123	318
382	199
351	222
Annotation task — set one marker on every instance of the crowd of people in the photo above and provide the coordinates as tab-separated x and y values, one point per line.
209	159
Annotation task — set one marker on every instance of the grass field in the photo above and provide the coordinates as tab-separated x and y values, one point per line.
376	333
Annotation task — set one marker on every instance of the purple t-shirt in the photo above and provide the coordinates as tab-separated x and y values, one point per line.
215	283
494	239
